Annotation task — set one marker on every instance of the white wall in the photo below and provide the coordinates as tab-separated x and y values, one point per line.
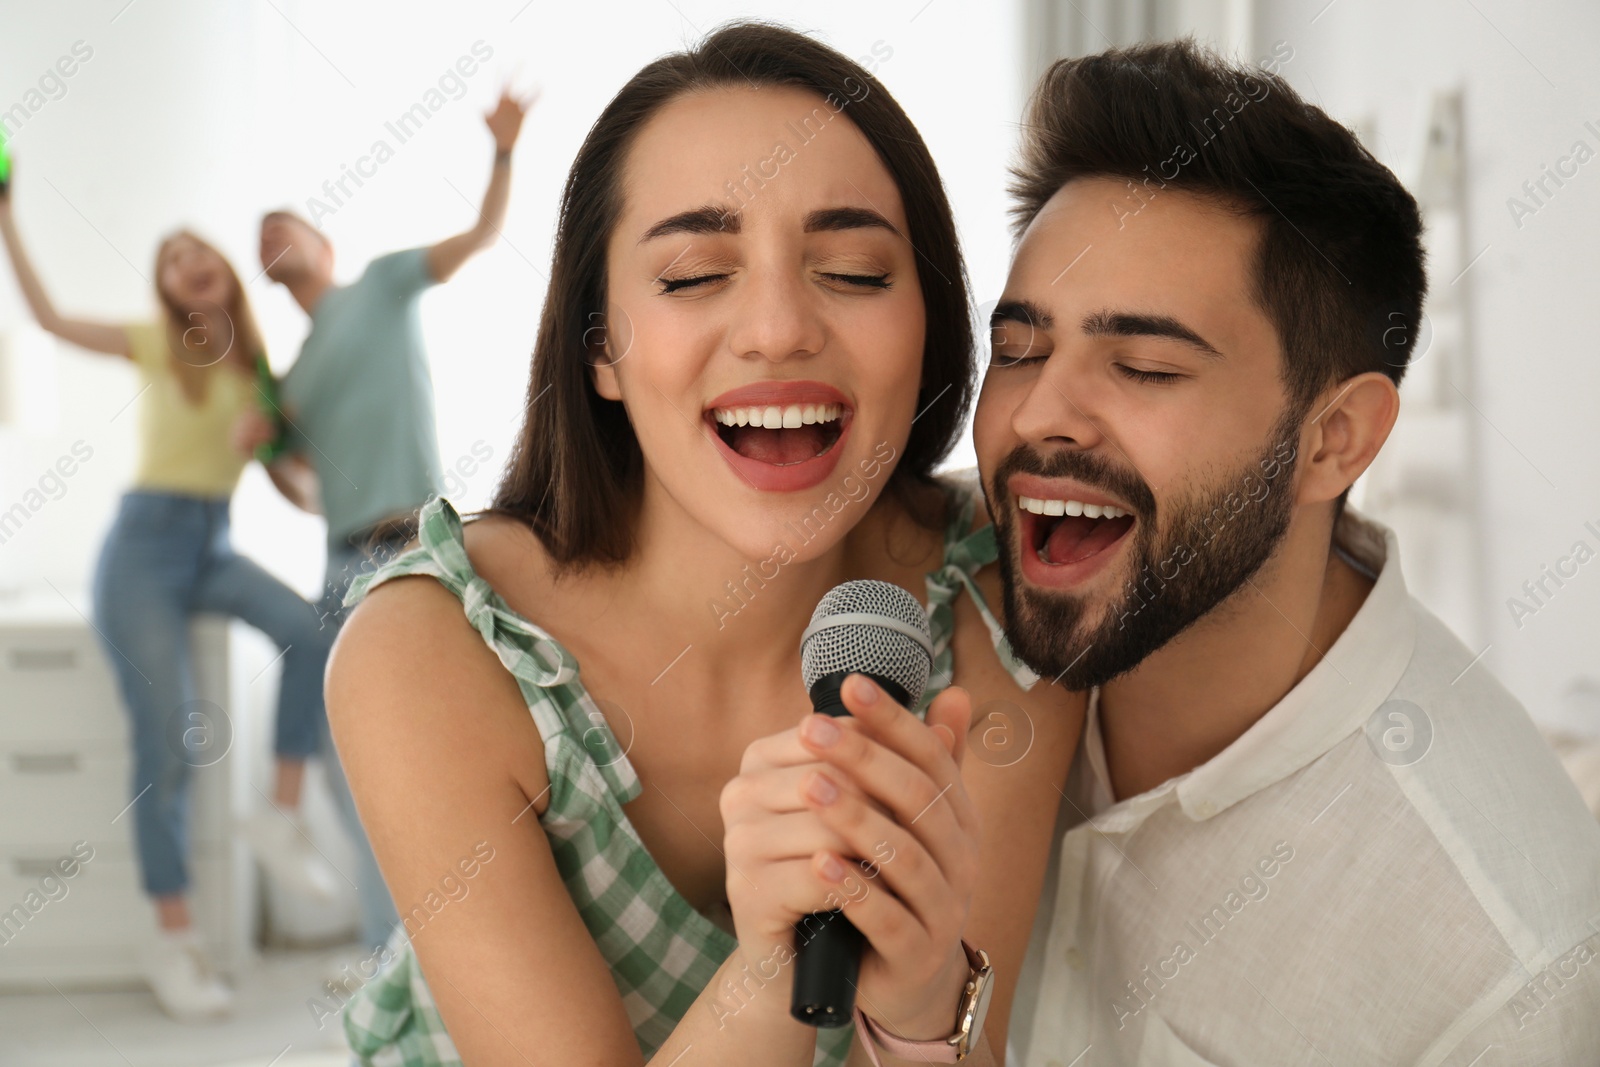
208	114
137	142
1530	84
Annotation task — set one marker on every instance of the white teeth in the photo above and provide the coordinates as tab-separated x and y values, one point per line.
776	418
1070	507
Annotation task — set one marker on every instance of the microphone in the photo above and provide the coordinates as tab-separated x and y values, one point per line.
879	630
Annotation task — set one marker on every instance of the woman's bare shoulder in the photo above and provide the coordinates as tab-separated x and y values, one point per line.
500	546
514	562
444	760
409	672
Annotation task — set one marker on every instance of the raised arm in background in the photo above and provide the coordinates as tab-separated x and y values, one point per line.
95	336
505	124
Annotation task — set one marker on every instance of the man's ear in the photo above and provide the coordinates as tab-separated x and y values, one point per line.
1339	444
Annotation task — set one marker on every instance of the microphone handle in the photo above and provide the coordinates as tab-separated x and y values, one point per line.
827	946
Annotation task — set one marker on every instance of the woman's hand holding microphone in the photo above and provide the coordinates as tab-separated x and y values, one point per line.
867	814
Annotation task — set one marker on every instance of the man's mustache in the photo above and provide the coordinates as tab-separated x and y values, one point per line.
1087	467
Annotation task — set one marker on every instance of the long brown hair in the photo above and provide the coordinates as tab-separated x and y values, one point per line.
244	344
575	472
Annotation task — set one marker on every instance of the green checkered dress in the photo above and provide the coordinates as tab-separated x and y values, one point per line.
661	951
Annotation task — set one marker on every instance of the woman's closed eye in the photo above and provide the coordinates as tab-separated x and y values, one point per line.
675	285
860	281
834	278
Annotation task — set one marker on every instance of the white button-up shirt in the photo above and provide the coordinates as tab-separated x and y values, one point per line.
1389	867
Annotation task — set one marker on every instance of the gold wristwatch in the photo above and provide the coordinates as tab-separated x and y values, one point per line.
969	1021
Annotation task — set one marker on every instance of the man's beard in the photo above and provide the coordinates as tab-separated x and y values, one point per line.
1179	571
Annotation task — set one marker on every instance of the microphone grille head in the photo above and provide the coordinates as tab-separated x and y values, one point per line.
872	627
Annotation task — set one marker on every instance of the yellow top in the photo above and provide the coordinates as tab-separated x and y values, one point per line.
184	445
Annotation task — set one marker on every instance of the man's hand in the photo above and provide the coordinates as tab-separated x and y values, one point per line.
297	480
505	121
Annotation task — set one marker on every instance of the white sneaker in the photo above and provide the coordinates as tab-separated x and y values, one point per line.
181	978
283	846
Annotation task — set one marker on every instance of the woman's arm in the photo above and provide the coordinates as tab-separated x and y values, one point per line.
1018	753
95	336
443	758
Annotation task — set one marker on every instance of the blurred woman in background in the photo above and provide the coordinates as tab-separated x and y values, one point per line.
167	557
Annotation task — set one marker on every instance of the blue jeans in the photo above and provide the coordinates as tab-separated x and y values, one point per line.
166	559
379	916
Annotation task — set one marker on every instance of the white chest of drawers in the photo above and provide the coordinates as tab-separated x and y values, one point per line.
65	769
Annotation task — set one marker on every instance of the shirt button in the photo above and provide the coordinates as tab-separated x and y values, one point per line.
1074	958
1206	809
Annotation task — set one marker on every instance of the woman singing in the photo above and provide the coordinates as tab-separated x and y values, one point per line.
571	725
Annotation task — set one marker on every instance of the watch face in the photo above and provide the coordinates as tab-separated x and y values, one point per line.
981	1009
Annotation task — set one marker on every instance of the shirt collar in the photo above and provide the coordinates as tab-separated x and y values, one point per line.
1352	680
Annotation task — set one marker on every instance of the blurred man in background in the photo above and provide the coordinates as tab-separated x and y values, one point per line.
355	420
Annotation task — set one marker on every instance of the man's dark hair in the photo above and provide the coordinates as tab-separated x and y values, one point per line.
1339	270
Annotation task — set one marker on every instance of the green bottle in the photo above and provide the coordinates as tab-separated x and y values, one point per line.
267	398
5	164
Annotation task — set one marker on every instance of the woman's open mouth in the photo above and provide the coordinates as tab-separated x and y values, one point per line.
781	436
1065	540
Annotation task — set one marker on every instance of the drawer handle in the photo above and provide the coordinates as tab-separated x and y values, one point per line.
46	762
43	659
35	868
